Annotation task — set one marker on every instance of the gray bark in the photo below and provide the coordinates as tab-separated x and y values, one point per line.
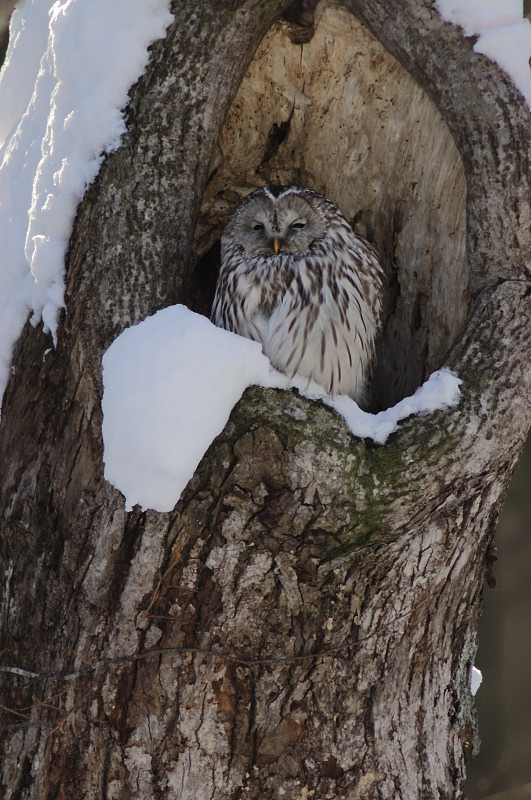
303	623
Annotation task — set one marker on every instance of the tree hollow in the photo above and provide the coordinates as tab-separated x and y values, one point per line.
333	110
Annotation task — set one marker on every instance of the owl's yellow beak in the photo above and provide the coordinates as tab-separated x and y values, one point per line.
276	245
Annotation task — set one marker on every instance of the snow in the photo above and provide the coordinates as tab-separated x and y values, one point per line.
504	35
170	383
475	679
440	390
66	77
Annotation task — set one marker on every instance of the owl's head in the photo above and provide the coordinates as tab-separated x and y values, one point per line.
278	220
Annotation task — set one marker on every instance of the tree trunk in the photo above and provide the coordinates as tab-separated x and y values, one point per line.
303	623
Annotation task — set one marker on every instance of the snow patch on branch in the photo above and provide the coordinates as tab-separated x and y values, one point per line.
63	86
170	384
504	35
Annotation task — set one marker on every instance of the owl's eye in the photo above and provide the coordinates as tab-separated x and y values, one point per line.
258	227
298	225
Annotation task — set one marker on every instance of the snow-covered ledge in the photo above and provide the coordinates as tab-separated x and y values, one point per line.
170	384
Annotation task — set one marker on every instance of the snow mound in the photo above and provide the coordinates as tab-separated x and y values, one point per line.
170	383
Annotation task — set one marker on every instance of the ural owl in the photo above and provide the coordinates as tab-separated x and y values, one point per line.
295	277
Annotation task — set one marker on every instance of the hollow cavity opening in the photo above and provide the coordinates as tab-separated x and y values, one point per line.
338	113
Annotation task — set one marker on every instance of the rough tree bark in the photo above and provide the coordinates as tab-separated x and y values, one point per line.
303	623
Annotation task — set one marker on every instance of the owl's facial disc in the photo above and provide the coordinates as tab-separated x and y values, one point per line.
289	225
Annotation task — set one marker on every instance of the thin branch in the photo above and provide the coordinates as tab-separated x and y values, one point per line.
106	663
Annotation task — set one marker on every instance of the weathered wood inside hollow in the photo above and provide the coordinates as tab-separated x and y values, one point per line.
339	114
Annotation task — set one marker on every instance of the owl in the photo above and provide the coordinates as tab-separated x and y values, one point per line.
295	277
